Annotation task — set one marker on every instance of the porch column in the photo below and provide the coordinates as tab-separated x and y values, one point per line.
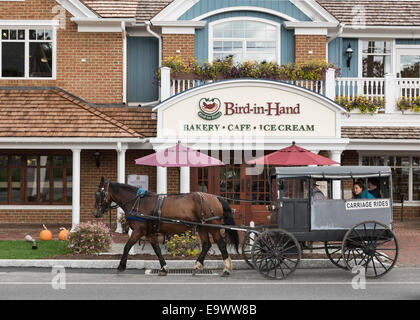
335	155
121	179
316	152
76	188
390	93
161	180
184	181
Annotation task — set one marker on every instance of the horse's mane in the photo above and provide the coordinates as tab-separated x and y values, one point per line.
115	187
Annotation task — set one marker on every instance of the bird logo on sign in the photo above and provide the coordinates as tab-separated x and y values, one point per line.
209	108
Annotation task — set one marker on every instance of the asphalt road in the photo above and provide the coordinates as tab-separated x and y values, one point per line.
304	284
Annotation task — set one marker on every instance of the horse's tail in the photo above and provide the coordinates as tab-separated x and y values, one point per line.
228	219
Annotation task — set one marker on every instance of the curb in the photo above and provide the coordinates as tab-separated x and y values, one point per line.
147	264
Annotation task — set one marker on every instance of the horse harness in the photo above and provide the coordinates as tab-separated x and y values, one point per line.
213	217
157	212
103	197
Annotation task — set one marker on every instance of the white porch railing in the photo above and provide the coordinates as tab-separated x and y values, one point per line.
408	87
180	85
388	88
176	86
368	87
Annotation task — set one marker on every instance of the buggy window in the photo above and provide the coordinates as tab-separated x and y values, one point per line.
294	188
381	183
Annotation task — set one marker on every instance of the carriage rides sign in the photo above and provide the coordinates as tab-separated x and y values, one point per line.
241	108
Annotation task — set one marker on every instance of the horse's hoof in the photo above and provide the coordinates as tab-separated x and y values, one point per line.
225	273
121	268
198	266
162	273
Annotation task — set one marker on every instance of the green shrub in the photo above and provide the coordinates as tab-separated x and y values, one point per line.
412	104
90	238
227	69
184	244
362	103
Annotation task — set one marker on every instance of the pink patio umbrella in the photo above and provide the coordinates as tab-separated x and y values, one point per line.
179	156
293	156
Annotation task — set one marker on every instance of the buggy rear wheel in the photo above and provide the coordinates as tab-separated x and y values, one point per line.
372	246
333	250
247	244
276	254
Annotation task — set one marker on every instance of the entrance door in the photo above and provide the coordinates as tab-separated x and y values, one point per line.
232	182
294	213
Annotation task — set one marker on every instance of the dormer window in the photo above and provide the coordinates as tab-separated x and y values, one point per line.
246	39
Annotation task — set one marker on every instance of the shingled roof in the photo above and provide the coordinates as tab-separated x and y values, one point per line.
51	112
142	10
381	132
142	120
374	12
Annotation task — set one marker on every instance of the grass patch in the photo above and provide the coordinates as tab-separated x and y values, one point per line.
19	249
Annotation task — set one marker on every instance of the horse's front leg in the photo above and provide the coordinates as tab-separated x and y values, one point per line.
206	245
155	245
135	236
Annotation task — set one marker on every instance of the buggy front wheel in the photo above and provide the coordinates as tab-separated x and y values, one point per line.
276	254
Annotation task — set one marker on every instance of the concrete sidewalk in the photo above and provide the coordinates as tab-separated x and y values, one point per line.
407	233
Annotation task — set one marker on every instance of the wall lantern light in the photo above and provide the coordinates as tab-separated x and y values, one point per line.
349	54
97	156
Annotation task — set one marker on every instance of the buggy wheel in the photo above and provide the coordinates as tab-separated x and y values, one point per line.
247	244
371	246
333	251
276	254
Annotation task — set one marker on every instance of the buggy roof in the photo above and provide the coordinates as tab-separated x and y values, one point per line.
332	172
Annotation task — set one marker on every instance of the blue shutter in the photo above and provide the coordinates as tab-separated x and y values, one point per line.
143	62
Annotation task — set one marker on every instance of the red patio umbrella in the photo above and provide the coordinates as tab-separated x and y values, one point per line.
293	156
179	156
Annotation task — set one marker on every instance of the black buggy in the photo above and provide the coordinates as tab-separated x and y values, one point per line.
353	232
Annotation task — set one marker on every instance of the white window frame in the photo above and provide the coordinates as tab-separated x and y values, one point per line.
360	54
34	25
404	50
212	24
410	201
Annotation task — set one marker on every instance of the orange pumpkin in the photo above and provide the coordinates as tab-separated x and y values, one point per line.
63	234
45	234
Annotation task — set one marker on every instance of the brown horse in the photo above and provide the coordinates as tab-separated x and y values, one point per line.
195	207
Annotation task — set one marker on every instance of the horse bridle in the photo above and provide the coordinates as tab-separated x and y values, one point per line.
104	198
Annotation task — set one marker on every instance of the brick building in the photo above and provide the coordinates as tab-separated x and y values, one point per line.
79	97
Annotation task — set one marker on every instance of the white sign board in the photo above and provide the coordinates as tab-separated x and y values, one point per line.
367	204
249	109
138	181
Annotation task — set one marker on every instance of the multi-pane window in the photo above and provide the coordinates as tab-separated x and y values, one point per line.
230	182
405	174
260	187
376	58
35	179
245	40
26	53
